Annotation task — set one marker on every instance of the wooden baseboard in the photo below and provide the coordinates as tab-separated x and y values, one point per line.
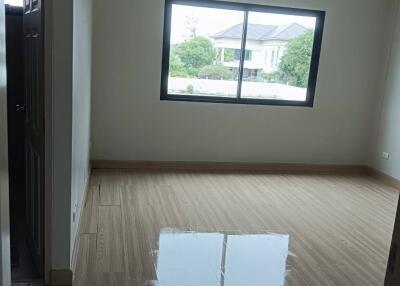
76	241
225	166
247	167
389	180
61	277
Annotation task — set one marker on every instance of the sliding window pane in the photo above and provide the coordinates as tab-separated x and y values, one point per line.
281	48
204	48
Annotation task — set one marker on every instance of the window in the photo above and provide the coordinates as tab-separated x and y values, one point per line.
272	57
215	259
213	52
247	55
278	54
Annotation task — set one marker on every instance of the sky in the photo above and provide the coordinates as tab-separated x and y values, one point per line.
209	21
14	2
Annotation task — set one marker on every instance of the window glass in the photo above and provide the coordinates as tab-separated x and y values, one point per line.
286	77
201	62
238	54
247	56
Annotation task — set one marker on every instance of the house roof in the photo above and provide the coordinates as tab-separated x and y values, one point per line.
263	32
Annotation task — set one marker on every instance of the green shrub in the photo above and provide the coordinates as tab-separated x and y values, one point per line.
178	73
275	77
268	77
216	72
176	66
189	89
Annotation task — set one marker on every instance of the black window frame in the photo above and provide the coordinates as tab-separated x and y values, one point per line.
246	8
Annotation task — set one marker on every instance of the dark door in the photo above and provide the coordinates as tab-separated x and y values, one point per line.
16	126
393	268
34	128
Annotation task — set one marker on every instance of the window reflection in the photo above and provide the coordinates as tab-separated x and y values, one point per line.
14	2
229	259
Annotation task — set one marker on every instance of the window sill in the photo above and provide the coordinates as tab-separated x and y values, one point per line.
232	100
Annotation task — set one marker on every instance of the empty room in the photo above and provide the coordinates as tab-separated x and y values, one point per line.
200	142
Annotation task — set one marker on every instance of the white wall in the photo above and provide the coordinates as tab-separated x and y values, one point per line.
387	134
59	86
68	78
5	268
69	39
81	97
129	122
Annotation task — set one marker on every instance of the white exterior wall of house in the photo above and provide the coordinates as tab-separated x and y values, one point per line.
262	52
257	57
228	44
273	52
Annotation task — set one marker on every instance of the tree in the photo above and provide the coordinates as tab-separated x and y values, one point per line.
295	63
216	72
176	66
191	24
229	55
195	54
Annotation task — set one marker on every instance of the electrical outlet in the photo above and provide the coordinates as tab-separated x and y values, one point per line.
385	155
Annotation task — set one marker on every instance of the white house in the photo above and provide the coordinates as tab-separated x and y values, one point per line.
265	46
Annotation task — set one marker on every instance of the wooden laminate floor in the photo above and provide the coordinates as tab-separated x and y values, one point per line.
336	229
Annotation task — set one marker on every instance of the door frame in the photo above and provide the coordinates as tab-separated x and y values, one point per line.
5	258
48	127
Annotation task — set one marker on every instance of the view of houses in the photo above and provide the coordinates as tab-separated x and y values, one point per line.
265	46
276	60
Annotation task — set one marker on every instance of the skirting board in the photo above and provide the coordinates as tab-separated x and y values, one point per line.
61	278
76	241
224	166
389	180
247	167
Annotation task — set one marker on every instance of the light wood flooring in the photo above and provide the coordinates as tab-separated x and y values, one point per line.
339	226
